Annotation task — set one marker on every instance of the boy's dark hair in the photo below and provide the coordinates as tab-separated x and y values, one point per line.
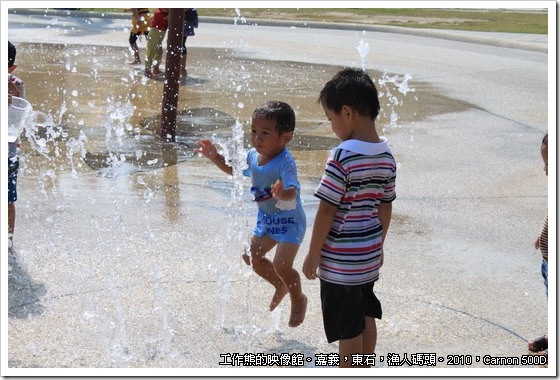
279	111
354	88
545	140
11	54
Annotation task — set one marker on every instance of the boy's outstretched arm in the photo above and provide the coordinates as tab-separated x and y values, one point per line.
321	227
208	150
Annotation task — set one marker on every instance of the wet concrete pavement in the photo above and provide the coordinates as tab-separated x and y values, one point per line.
128	260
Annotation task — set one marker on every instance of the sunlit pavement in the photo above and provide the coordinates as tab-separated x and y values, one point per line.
126	266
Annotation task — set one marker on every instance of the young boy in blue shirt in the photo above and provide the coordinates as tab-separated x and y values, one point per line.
281	221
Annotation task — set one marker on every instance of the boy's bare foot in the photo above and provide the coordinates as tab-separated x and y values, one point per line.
297	314
278	297
148	74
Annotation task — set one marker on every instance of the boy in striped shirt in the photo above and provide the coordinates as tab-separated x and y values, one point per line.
354	213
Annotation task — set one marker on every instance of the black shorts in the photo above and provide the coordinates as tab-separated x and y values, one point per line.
345	308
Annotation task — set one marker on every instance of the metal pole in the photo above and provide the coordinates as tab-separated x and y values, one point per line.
172	70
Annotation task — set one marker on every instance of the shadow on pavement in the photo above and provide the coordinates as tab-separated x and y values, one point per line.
24	293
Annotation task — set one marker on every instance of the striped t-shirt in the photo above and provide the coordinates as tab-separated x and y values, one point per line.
543	239
358	176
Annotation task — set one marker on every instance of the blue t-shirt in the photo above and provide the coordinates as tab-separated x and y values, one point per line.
283	221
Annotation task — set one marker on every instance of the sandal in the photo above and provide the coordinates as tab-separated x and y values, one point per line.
538	345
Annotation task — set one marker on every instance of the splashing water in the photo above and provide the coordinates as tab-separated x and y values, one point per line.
363	50
239	164
164	342
117	349
234	153
238	17
389	83
386	85
52	141
148	192
241	20
117	121
116	124
76	146
275	317
41	131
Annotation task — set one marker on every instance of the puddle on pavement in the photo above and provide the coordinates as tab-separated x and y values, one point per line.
82	86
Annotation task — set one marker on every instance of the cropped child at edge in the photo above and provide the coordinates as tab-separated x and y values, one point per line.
540	344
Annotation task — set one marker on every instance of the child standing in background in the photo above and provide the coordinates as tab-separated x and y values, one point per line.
190	24
140	24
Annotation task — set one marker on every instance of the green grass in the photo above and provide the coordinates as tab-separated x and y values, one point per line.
491	20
